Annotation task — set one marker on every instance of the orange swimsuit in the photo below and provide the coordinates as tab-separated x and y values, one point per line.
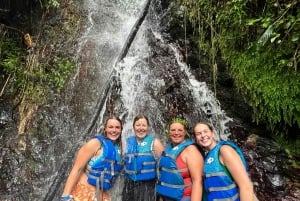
83	192
185	175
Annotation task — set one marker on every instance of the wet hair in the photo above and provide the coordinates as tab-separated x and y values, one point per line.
115	118
205	123
210	127
140	116
180	121
119	140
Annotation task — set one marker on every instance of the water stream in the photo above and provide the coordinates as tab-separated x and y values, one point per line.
142	81
160	86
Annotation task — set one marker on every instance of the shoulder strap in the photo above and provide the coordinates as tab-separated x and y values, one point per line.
107	146
173	152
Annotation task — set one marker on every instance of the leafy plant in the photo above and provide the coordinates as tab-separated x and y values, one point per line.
53	3
60	72
259	40
34	79
10	60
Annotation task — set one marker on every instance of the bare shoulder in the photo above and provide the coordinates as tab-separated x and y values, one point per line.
191	150
158	142
158	147
228	154
226	149
192	156
93	141
92	145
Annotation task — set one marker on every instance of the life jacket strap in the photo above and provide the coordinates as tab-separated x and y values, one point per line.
149	163
140	154
138	171
174	185
174	170
225	188
215	174
233	198
98	193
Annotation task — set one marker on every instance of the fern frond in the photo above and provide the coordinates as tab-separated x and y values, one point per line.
266	36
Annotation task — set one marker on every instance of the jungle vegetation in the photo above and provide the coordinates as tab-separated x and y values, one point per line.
33	63
260	42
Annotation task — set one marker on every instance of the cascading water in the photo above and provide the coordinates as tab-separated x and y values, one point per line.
143	81
159	86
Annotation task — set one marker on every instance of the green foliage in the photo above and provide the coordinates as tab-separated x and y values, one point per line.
34	79
260	41
53	3
271	91
45	70
291	148
10	60
60	72
52	76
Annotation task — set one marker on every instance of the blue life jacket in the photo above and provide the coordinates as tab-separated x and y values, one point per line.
218	183
104	168
170	182
140	164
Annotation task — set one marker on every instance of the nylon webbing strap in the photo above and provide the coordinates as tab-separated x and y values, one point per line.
175	186
225	188
139	171
233	198
216	174
174	170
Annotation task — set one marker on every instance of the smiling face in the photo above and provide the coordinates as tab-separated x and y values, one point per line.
141	128
113	129
177	133
204	136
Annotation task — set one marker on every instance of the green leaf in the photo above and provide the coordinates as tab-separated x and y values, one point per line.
275	37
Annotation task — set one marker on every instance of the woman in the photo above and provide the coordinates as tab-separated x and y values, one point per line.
142	149
97	164
180	167
225	169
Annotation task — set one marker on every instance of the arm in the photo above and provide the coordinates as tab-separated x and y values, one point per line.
230	158
85	153
195	163
158	147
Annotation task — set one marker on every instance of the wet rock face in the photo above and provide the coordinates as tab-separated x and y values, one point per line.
267	164
4	118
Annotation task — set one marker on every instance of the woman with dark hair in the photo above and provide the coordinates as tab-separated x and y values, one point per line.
142	150
97	165
225	168
180	166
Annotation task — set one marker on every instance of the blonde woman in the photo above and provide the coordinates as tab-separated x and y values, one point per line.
180	166
97	164
225	168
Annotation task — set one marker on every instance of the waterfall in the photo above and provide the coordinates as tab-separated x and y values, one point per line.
144	86
150	78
